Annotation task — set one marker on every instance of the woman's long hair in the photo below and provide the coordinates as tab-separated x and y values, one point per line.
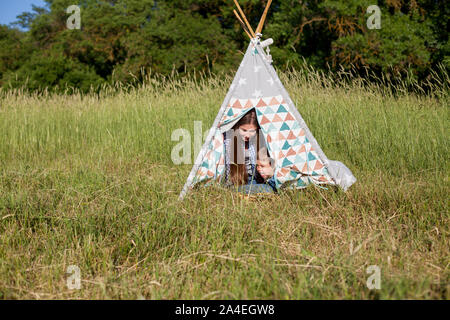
238	172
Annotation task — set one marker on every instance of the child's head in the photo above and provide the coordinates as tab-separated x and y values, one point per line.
248	126
263	156
264	164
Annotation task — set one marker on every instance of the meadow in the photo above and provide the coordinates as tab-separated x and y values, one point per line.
88	180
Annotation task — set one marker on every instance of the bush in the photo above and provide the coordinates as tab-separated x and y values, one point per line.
55	72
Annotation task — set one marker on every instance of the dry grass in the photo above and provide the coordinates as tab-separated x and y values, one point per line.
88	181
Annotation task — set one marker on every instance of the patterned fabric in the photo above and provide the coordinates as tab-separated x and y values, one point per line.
296	163
213	163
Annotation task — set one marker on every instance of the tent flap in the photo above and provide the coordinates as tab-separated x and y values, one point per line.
341	174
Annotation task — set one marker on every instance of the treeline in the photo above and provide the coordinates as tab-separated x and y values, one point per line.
121	40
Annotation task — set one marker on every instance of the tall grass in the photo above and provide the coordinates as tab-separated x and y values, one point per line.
87	180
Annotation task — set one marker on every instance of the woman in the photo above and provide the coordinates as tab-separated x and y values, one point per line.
247	164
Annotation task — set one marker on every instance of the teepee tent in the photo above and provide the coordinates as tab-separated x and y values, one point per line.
299	160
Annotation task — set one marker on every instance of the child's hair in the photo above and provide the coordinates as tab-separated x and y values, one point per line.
238	172
248	118
263	155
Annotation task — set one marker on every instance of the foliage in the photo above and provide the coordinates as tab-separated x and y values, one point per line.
122	40
55	72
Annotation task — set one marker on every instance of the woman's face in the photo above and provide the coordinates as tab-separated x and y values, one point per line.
247	131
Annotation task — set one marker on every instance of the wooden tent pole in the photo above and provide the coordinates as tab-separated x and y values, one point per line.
242	24
245	19
263	18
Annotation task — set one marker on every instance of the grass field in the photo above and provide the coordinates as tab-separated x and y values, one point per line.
88	181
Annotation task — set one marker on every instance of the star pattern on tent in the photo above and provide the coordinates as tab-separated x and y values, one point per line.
242	81
257	68
257	94
271	81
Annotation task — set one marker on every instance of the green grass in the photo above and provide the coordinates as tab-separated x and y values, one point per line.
88	181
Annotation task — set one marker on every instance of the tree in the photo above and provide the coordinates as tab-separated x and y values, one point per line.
119	38
403	43
13	50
